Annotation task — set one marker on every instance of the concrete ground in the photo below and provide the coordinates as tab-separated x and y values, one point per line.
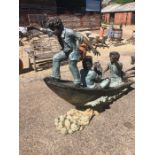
110	133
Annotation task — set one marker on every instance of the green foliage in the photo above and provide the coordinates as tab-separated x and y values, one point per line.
123	1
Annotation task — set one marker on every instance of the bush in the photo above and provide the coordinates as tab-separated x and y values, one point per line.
123	1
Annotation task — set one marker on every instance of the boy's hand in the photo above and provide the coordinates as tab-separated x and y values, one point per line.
95	52
32	27
67	50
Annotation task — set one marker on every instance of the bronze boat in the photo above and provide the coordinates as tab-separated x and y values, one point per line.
78	96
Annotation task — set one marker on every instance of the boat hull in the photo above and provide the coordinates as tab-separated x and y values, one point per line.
80	96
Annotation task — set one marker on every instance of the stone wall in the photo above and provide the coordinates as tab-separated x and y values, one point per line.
70	20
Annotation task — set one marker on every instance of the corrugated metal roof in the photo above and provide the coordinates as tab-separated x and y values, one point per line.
119	8
126	7
110	8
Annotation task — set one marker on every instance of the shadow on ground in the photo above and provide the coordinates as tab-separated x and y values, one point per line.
106	105
40	67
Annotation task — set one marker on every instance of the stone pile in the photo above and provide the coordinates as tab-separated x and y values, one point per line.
74	120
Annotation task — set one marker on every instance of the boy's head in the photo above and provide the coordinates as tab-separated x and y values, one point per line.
87	62
56	25
98	68
114	56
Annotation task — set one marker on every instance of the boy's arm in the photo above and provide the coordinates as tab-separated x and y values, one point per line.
86	41
119	65
61	42
132	68
106	69
80	38
44	30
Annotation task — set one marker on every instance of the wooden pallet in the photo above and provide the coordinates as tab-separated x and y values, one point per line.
42	51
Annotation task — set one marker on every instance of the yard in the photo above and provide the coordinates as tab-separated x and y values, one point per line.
109	133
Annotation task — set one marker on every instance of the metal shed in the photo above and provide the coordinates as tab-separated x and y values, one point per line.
119	14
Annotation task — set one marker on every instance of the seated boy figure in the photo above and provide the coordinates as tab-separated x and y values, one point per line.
92	77
115	68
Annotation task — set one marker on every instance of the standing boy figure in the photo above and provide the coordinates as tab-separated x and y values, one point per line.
69	41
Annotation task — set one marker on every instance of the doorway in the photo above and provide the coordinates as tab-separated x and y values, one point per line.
112	16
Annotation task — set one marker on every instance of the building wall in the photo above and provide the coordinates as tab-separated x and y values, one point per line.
23	19
80	21
73	14
37	1
119	18
70	20
106	18
124	18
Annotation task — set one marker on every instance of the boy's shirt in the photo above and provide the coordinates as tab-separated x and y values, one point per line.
71	40
115	69
88	77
